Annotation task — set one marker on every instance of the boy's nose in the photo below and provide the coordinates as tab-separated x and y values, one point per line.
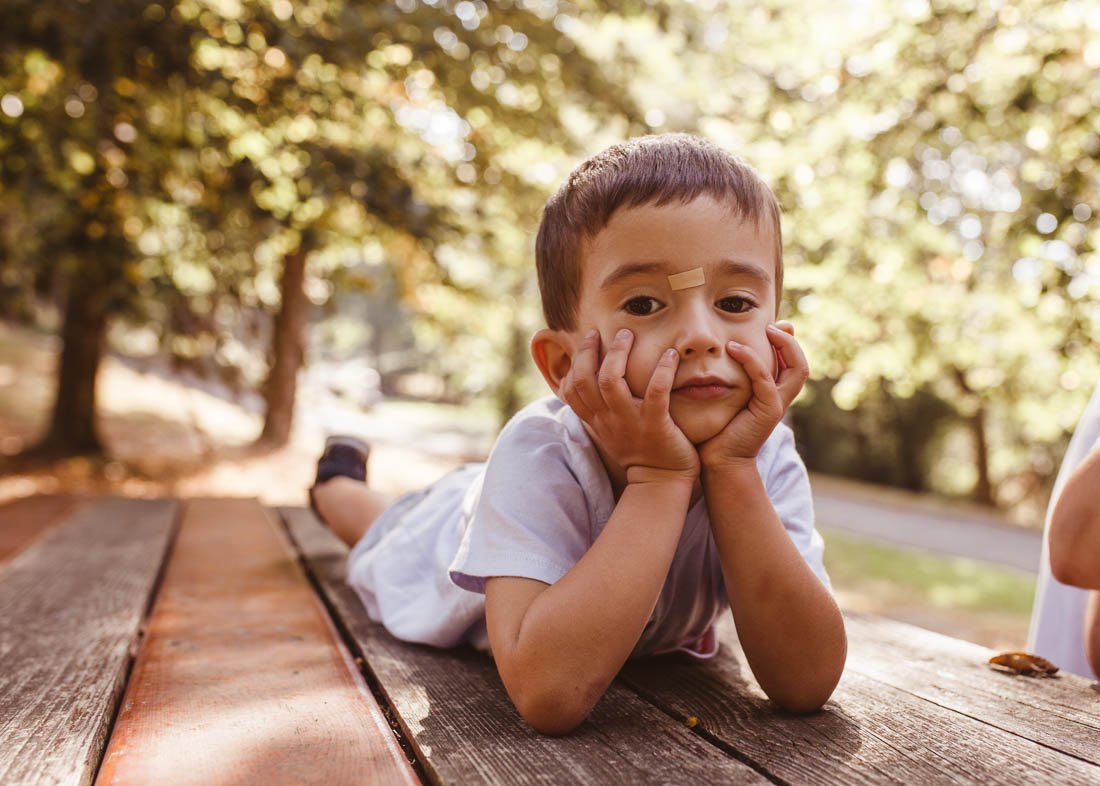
699	335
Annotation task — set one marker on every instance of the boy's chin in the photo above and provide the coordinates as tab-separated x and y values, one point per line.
700	423
698	430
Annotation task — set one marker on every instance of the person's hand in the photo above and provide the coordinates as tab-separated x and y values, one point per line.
750	428
637	433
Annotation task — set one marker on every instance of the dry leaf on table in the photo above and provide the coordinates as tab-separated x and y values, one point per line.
1024	663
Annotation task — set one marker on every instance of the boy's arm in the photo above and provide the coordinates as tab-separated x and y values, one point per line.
1074	536
558	647
789	625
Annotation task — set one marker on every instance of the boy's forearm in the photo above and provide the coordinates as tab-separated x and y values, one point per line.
1074	537
789	625
577	633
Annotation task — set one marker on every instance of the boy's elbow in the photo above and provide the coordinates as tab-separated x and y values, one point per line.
801	705
555	711
813	686
806	698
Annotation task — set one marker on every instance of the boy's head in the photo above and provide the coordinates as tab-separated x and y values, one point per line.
648	170
677	241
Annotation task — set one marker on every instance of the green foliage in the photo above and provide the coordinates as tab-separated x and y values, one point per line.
937	166
937	163
173	153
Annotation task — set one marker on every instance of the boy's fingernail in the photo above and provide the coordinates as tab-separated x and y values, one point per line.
623	334
591	334
671	353
734	345
774	329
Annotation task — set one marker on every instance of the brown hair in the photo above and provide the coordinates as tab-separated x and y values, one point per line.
647	170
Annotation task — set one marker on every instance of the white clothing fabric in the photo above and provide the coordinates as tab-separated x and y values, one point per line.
532	511
1057	620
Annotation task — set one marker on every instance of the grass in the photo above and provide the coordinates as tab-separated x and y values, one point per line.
961	597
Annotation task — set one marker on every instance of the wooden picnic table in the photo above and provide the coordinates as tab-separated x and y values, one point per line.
213	641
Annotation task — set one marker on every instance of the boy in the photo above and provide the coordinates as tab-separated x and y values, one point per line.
1065	624
658	486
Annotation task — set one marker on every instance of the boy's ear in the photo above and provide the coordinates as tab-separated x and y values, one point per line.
552	351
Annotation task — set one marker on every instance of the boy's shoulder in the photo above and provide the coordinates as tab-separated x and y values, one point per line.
546	420
547	441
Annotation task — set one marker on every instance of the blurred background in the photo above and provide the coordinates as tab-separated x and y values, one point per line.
231	227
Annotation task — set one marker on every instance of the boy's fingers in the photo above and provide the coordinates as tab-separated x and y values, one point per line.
612	376
795	369
659	390
567	391
764	390
583	372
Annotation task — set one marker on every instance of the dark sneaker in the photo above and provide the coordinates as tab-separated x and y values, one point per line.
344	456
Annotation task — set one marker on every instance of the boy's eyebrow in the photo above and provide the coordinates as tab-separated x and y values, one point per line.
729	267
733	267
632	269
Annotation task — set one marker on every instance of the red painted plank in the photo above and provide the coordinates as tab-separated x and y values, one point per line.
23	521
241	678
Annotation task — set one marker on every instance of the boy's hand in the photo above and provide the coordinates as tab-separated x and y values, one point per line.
638	433
750	428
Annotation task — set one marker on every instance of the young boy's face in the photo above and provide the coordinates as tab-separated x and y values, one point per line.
625	284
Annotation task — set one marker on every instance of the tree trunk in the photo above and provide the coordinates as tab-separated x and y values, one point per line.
983	489
288	353
72	425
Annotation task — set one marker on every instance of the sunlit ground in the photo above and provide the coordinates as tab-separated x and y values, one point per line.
166	438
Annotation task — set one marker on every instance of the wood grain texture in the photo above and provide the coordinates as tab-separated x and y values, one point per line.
71	607
241	678
23	521
869	733
459	720
1062	713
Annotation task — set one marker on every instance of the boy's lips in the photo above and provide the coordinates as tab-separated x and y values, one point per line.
703	388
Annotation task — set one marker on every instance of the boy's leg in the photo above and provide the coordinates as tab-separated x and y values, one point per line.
340	495
348	506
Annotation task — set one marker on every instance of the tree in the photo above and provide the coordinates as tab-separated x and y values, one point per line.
172	140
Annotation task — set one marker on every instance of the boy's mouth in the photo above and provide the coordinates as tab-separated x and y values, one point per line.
703	389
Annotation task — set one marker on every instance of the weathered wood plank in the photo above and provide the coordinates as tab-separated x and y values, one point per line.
241	678
71	608
1062	713
459	720
23	521
869	733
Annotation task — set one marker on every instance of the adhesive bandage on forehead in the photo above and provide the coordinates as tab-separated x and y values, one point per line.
687	279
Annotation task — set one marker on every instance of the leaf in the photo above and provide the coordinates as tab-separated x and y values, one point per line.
1025	664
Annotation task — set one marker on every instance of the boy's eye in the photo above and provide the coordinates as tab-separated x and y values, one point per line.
735	304
642	306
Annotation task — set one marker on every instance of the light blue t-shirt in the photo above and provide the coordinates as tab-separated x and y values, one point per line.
532	511
1058	618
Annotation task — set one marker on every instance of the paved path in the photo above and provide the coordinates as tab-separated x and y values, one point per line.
914	521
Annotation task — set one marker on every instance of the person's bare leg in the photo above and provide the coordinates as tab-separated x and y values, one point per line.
348	507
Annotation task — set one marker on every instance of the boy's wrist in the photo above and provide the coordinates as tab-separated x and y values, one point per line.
638	475
730	470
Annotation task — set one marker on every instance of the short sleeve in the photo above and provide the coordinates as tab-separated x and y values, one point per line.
533	517
788	486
